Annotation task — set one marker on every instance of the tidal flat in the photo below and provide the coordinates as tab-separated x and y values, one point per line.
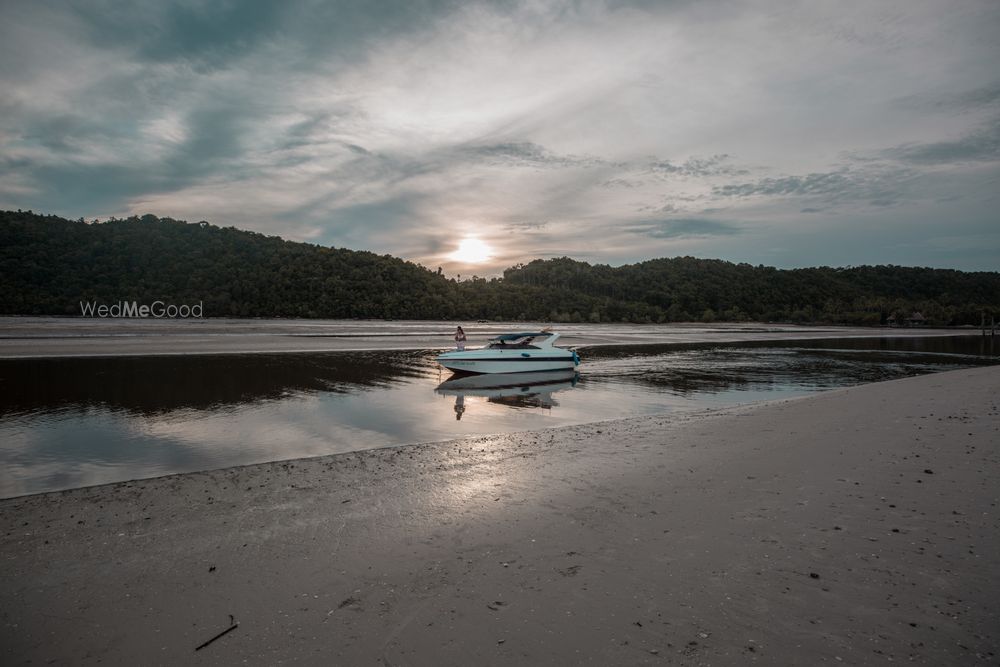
852	526
68	422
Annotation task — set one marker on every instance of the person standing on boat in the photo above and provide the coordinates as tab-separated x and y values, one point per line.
460	339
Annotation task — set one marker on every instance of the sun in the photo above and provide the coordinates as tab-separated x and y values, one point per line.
471	251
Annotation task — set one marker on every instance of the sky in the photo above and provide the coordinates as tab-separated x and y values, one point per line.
771	132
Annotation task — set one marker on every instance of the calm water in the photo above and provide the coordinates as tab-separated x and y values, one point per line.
67	423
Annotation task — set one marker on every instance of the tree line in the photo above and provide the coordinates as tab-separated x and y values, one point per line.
48	265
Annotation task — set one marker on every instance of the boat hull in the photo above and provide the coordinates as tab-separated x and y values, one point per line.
507	361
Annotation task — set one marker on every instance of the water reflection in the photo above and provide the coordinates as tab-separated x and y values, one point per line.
694	370
76	422
159	385
515	390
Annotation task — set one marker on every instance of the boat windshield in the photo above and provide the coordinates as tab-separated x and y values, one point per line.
523	340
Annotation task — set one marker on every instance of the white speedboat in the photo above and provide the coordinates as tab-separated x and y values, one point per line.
513	353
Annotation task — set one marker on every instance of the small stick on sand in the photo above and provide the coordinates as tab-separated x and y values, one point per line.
232	626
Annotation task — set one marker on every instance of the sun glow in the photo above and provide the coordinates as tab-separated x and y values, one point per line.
471	251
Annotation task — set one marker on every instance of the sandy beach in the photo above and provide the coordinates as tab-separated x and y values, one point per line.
855	526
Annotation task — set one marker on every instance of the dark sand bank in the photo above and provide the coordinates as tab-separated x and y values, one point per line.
859	525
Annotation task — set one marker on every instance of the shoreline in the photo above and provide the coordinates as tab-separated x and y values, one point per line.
690	538
673	417
42	338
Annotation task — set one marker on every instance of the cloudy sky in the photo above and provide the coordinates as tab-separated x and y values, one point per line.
782	133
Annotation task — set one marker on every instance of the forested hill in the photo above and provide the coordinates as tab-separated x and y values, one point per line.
686	288
48	265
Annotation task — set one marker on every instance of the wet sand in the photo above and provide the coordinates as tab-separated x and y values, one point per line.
854	526
34	337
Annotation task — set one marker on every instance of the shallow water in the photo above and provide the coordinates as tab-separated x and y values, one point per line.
66	423
39	337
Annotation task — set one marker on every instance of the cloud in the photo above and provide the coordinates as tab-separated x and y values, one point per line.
351	225
964	101
981	145
203	34
397	126
877	184
523	153
697	167
826	184
211	35
686	228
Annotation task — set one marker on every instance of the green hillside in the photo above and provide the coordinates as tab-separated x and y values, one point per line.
49	264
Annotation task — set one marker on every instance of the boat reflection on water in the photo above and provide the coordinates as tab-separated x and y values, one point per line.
516	390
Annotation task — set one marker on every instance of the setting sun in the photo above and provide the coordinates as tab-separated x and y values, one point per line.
471	251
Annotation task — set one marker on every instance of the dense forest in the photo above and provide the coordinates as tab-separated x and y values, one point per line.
48	265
